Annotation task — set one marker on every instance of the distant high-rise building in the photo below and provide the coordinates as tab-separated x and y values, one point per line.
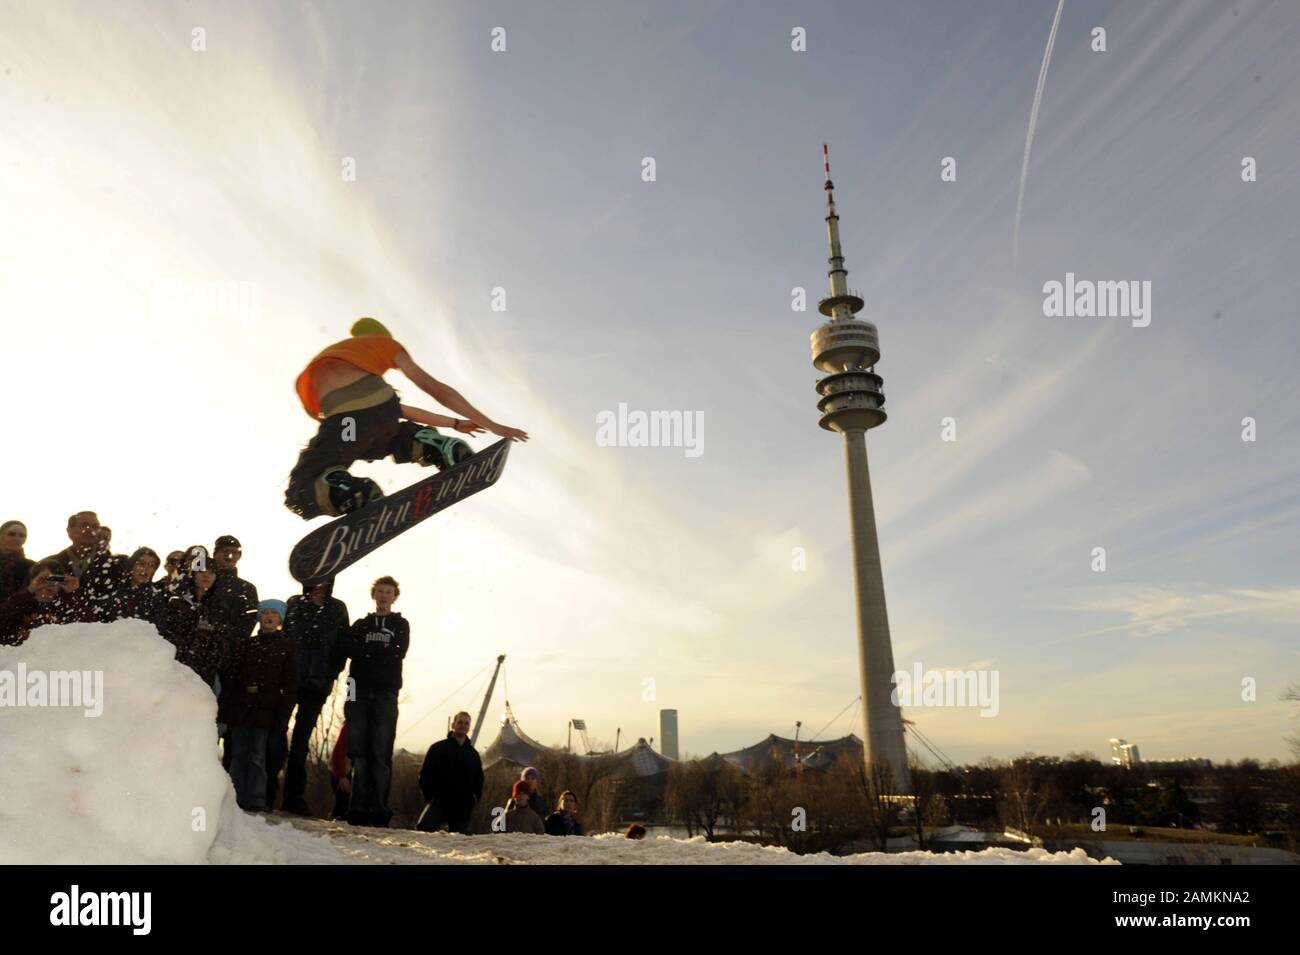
1124	753
668	733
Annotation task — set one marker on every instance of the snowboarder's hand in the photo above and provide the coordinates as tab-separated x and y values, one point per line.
465	426
70	584
504	431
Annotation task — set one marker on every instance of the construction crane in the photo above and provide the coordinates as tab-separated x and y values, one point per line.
487	698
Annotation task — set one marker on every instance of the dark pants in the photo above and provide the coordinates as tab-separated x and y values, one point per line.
248	766
310	703
375	433
372	727
277	747
434	818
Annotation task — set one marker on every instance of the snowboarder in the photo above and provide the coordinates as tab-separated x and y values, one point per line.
361	419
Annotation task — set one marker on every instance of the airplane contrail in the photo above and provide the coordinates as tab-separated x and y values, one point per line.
1033	121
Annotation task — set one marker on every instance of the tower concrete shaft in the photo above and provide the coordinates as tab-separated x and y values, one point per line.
882	721
852	403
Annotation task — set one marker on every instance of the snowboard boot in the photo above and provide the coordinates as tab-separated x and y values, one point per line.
348	492
440	450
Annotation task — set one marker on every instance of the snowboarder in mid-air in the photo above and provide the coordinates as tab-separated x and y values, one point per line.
361	419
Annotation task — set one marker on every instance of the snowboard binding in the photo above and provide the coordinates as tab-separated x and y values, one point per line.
348	492
440	450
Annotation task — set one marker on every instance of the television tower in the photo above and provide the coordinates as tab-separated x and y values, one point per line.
853	402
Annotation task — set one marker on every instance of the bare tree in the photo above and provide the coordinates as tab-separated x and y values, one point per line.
1022	794
1292	695
882	810
701	793
924	802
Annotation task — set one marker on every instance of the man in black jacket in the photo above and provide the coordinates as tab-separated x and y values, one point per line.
317	623
235	600
376	644
238	597
98	572
451	780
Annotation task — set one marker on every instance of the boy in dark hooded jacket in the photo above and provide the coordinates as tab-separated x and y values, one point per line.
317	622
376	644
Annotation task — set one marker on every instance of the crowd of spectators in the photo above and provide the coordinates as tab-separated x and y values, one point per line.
264	659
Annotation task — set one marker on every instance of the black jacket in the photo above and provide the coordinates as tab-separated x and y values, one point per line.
558	824
377	645
318	633
259	681
452	776
22	613
146	602
237	599
100	580
14	569
203	631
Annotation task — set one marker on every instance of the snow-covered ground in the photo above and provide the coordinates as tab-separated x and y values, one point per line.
109	747
399	846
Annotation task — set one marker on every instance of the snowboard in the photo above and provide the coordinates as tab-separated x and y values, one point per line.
342	542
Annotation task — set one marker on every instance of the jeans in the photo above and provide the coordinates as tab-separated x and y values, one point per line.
248	766
295	775
372	727
277	747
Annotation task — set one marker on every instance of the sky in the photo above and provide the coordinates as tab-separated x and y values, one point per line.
191	216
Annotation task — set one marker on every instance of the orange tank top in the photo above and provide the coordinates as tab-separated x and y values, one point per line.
373	353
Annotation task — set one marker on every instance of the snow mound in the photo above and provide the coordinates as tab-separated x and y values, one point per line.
110	747
399	846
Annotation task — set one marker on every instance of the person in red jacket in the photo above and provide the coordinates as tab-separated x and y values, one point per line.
339	774
361	419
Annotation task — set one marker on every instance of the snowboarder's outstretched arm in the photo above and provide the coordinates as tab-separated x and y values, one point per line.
449	397
463	425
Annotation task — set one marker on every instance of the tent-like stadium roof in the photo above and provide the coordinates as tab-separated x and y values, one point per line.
816	754
513	745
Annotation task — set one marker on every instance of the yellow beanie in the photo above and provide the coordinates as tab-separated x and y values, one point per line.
369	326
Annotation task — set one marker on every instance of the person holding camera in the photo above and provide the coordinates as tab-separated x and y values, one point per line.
98	572
47	598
